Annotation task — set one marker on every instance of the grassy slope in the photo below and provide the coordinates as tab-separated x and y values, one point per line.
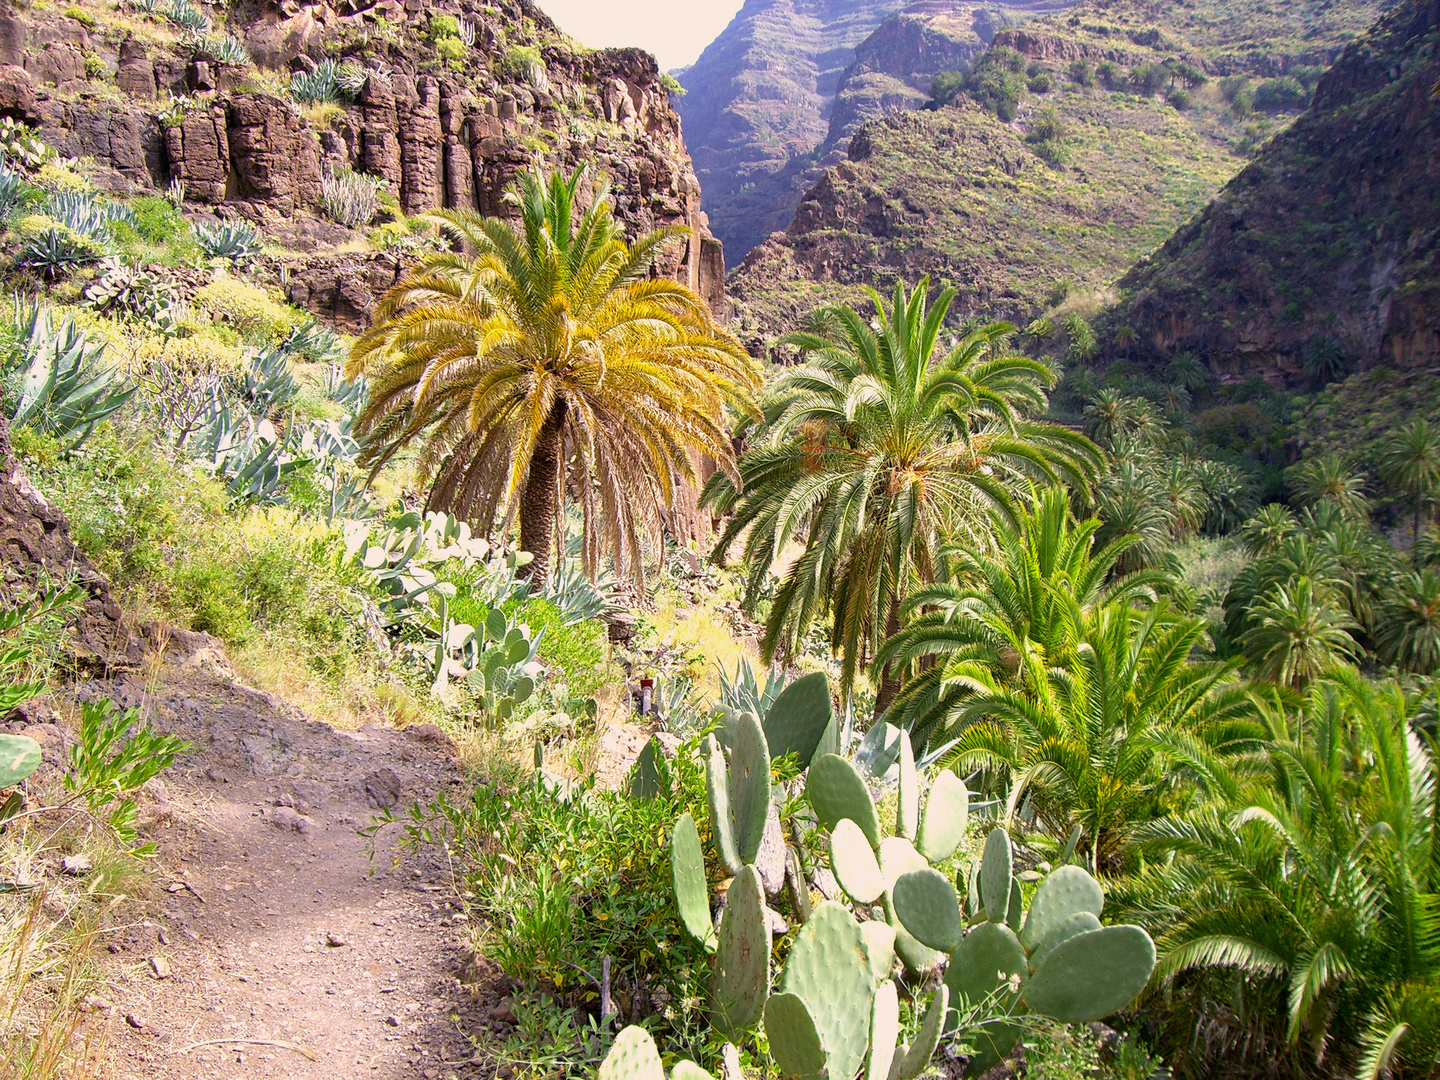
931	195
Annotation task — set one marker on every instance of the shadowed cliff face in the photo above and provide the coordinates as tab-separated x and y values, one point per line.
1329	241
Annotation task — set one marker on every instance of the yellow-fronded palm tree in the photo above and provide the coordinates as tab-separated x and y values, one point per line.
545	361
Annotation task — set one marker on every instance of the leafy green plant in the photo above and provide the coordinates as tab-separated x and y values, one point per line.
19	144
62	386
235	242
114	757
121	288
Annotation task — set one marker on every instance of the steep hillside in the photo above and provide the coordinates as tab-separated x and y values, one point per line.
1323	255
1123	118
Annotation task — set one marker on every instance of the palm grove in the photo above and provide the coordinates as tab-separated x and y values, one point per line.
1250	769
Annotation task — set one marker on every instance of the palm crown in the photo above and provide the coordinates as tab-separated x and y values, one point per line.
544	360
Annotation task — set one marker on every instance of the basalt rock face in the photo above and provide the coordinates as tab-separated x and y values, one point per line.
36	552
443	132
1329	241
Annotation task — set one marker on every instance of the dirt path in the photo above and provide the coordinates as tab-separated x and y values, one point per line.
272	923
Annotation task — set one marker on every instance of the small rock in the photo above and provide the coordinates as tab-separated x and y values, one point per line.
382	789
97	1003
501	1014
159	967
75	865
285	817
135	1022
335	941
392	1021
162	938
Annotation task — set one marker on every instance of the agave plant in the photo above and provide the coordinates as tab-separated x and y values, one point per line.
312	342
126	289
349	198
330	81
236	242
14	191
267	385
83	213
64	389
57	251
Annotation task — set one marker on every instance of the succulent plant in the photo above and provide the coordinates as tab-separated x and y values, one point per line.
65	389
232	241
633	1056
56	251
19	757
312	342
266	385
330	81
19	144
350	198
122	288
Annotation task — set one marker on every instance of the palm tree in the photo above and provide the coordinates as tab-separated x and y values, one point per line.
1000	606
1330	479
546	362
1408	633
1298	631
882	448
1410	462
1309	887
1271	526
1133	503
1079	735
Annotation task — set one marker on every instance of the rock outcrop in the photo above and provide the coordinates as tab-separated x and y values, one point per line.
442	132
1328	245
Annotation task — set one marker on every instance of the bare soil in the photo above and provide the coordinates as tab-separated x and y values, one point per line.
278	945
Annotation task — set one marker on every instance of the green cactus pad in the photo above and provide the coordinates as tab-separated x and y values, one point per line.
907	809
829	969
1063	893
996	866
632	1057
19	757
947	813
927	1038
797	720
884	1030
879	948
902	1051
898	857
1015	913
972	889
1079	923
688	1070
645	774
717	784
926	905
853	861
741	980
1091	975
687	874
838	791
794	1040
917	958
749	786
989	956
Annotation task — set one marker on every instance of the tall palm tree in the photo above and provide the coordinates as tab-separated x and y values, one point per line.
1408	633
1298	631
1410	462
883	447
1000	606
1331	479
546	362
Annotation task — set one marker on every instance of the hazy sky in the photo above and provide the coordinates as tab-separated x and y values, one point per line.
674	30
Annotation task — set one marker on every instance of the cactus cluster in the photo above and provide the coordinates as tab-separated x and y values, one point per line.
1055	960
496	659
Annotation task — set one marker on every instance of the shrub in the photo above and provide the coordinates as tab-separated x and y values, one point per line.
83	17
444	26
997	81
156	219
1147	78
452	51
95	67
257	314
1082	72
1179	99
672	85
352	199
518	61
1041	82
1109	74
945	86
1285	94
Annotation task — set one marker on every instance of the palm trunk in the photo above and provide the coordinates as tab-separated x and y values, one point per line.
1419	502
539	500
889	686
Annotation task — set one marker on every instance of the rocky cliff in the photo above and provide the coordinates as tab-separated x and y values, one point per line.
1122	130
151	107
1327	247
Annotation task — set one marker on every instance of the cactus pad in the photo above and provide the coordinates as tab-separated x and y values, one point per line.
917	958
1063	893
19	757
927	1038
996	866
797	720
717	784
749	786
884	1030
907	809
853	862
1079	923
741	979
1091	975
898	857
1015	913
632	1057
687	875
879	948
926	905
837	791
947	813
688	1070
794	1041
828	968
990	955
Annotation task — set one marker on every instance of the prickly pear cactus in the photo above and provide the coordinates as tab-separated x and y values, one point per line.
19	757
633	1056
687	875
741	979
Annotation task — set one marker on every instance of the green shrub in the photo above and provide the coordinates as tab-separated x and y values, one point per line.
1285	94
95	67
256	313
1082	72
206	594
452	50
156	219
672	85
576	651
83	17
517	61
997	81
444	26
1179	99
